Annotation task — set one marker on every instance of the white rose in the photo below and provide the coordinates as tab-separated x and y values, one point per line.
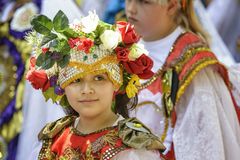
90	22
110	39
22	17
119	36
136	51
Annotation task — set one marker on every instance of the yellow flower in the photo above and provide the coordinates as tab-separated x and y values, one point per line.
131	88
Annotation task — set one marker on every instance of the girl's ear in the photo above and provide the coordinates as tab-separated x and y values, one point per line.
173	6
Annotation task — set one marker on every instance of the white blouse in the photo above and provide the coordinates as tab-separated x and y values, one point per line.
207	126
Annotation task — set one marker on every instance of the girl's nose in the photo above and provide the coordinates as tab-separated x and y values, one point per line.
86	89
131	7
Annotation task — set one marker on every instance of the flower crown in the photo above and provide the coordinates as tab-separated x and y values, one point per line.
65	52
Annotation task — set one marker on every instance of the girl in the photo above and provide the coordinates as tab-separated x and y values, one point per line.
188	102
92	69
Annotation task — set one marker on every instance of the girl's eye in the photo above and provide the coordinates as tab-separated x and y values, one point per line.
99	78
77	81
145	1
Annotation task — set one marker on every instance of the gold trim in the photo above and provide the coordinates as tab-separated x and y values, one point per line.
188	55
191	75
151	80
80	75
149	102
91	69
45	152
105	60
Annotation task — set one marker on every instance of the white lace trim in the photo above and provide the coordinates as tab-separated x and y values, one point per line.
198	134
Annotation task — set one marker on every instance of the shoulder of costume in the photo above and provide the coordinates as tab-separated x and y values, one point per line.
135	134
54	128
189	55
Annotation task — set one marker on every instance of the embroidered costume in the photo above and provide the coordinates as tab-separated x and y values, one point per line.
184	100
65	53
61	140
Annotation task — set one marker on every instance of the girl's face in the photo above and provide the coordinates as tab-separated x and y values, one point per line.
152	20
91	95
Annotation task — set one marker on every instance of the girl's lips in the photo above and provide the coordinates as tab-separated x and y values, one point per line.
132	20
88	100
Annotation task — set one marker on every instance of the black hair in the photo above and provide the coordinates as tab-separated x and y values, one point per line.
124	104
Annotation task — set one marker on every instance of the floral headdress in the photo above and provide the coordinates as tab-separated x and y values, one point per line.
65	52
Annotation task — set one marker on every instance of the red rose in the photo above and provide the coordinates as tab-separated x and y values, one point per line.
82	44
38	78
73	42
141	66
122	53
129	35
45	50
85	45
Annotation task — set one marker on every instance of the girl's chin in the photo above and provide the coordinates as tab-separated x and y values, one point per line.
88	114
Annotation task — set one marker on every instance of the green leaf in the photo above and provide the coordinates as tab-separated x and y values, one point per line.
40	60
48	62
50	94
62	47
53	44
105	25
42	24
65	48
64	61
69	33
48	38
60	22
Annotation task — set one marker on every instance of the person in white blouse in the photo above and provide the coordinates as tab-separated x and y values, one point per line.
204	124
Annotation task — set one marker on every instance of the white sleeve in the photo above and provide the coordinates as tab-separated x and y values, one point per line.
234	76
207	126
134	154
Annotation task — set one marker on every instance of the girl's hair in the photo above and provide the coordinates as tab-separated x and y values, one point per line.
190	21
122	105
187	18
